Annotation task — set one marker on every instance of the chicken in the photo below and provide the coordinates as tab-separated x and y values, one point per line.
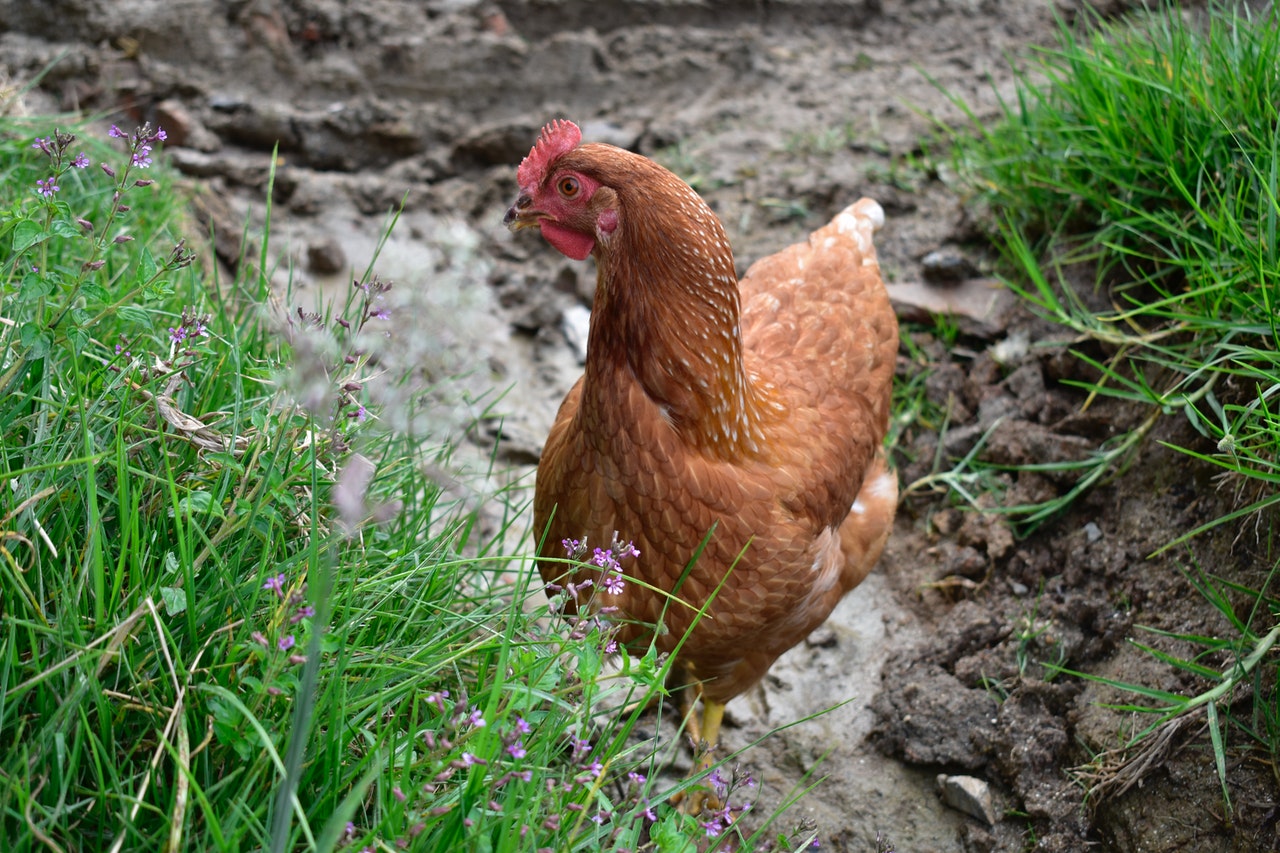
738	423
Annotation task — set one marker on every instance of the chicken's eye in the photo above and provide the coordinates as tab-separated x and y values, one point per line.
569	186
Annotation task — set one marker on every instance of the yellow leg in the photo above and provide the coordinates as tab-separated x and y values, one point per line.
705	734
709	737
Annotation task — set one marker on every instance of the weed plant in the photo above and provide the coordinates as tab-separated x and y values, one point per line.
1148	152
234	613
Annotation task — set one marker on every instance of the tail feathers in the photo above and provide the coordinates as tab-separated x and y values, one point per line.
867	527
860	220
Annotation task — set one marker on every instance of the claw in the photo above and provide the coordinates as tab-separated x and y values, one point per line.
705	735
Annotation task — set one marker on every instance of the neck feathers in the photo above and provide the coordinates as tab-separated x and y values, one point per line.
667	312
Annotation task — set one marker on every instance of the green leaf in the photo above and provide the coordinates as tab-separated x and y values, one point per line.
34	286
147	268
175	599
65	228
200	503
135	315
78	337
26	234
158	289
93	291
670	836
649	671
35	340
589	662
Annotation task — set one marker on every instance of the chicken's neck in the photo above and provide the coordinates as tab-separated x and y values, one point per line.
671	325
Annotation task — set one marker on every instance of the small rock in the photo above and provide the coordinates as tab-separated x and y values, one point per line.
969	795
325	257
981	300
183	128
1092	532
496	22
947	265
822	637
1011	350
604	131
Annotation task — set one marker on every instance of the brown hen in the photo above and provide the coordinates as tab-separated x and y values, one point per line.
748	412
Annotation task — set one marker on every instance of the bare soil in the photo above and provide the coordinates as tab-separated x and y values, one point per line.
780	112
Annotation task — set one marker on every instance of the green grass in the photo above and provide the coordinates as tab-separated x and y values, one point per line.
1145	154
234	613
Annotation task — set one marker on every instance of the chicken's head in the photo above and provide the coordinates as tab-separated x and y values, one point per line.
573	210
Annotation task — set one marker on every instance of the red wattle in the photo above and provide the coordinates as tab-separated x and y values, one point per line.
571	243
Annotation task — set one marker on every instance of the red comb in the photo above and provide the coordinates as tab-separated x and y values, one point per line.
558	137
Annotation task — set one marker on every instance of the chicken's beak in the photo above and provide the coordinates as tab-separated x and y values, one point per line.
522	214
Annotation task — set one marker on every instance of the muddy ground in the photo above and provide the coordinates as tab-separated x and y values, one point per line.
780	113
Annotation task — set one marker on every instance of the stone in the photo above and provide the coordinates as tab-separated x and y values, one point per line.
970	795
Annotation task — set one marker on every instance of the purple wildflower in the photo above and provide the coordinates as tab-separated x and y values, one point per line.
116	133
81	161
142	157
306	611
285	643
522	726
47	187
398	793
613	583
275	583
517	750
476	718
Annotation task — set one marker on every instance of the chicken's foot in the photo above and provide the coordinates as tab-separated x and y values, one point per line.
705	736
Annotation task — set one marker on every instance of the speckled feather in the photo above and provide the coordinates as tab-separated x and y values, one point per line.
756	408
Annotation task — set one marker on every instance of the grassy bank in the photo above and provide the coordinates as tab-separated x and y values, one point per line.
1131	184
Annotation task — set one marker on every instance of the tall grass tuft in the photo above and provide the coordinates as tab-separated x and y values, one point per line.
1148	151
